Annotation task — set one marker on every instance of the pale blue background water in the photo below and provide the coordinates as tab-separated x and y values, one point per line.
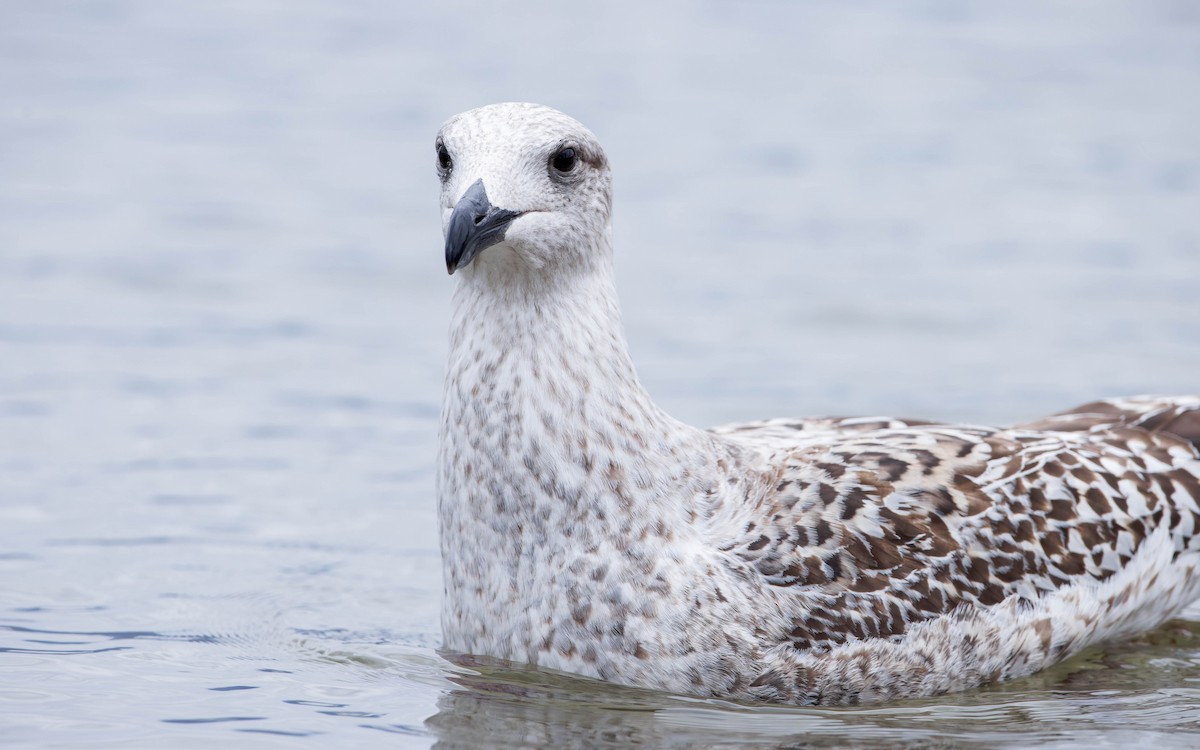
223	313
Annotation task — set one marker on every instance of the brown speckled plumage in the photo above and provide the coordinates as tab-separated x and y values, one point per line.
902	522
802	561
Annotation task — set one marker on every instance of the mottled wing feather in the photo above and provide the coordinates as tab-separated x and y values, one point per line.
889	522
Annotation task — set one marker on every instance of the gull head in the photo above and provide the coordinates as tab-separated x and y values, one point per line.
524	187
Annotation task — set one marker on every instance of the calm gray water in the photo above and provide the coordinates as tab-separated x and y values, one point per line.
223	311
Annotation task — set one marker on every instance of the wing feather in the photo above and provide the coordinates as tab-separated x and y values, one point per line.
891	522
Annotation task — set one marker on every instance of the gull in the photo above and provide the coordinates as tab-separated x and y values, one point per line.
793	561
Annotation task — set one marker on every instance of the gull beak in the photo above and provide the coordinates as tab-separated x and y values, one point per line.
474	226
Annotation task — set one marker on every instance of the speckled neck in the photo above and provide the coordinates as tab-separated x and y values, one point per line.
553	456
539	371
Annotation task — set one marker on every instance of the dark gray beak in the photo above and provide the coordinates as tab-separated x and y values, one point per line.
474	226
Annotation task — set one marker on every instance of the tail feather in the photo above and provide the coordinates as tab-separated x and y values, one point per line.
1176	415
1181	423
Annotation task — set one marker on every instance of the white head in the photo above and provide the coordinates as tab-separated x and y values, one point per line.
524	188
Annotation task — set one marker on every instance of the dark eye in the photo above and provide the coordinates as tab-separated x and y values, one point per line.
564	160
444	160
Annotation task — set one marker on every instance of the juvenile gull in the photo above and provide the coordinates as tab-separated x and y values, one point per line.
797	561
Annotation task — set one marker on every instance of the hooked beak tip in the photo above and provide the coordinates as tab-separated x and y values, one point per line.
475	225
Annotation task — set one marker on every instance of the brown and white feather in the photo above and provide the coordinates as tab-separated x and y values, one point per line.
900	522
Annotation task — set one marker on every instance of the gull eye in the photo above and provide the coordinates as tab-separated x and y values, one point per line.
445	163
564	160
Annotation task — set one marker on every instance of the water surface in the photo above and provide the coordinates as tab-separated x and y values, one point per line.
223	316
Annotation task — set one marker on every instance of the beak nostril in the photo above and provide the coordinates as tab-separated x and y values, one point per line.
479	218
